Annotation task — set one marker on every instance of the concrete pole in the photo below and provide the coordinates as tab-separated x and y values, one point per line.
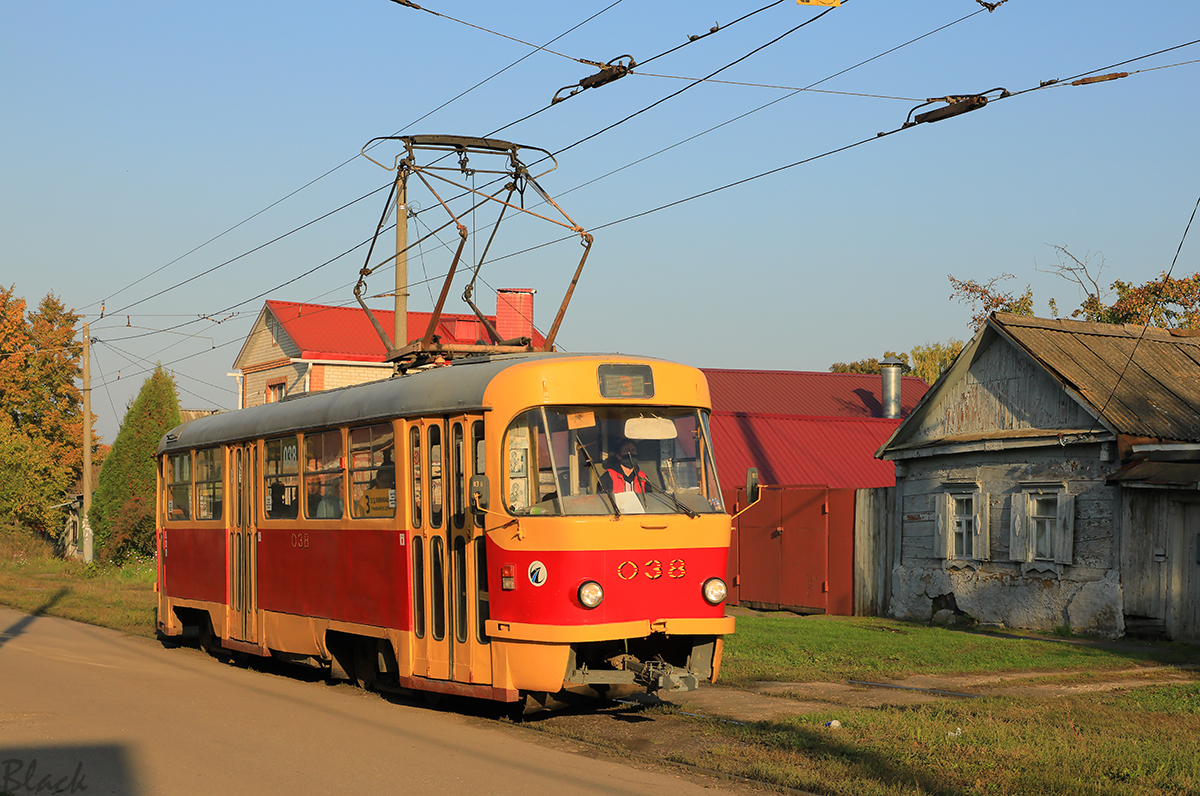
85	526
400	329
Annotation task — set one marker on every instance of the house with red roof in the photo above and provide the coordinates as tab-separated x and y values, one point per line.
297	347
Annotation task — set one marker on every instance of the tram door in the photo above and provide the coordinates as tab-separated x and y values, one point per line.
470	657
243	559
427	467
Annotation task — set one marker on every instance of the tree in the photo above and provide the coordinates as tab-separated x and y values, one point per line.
925	362
986	298
870	365
1166	301
931	359
41	421
122	515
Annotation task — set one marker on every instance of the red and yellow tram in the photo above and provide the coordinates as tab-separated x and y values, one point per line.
462	529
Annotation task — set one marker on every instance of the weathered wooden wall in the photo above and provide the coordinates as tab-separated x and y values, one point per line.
873	513
1002	391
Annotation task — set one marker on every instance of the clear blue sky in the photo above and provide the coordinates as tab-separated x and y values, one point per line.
134	132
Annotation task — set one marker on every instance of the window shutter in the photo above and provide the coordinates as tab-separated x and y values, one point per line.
1064	545
1018	537
981	545
941	545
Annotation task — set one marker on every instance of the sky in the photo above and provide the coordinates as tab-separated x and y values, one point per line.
179	164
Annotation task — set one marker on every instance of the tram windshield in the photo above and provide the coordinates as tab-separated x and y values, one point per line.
581	460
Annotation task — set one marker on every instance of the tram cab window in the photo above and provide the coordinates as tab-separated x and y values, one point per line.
323	476
582	460
281	477
209	484
179	486
372	472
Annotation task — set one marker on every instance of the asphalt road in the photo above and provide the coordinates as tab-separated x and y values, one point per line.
85	707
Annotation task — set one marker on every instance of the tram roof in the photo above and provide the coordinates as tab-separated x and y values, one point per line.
457	388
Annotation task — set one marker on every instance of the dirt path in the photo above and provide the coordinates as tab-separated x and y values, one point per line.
772	699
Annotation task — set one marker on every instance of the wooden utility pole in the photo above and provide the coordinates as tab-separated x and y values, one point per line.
85	528
400	327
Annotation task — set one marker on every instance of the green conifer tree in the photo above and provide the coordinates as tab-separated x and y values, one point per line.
122	515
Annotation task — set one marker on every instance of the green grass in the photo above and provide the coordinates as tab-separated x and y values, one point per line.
34	580
1135	742
800	649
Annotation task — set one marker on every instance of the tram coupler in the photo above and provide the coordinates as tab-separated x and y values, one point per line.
662	676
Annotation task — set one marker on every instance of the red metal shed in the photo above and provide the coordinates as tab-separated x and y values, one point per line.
813	438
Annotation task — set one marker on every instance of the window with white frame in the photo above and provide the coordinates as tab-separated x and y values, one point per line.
1042	534
962	535
276	391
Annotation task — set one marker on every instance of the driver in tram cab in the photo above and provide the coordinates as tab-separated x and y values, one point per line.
623	474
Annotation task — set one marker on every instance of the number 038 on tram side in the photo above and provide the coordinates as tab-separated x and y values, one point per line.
515	527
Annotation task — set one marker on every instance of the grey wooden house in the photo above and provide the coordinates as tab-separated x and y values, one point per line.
1049	478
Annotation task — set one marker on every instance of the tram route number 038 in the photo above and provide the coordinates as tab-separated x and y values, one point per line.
652	569
299	540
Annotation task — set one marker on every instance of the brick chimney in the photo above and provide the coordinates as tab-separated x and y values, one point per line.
514	312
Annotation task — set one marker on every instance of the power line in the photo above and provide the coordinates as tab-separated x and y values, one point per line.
703	193
350	160
251	251
783	88
105	385
698	82
1149	316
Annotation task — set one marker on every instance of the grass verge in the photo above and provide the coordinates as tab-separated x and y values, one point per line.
804	649
34	580
1135	742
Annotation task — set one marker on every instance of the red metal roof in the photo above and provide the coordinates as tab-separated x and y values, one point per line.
804	427
790	450
813	394
346	334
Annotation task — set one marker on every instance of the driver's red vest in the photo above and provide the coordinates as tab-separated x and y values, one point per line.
618	481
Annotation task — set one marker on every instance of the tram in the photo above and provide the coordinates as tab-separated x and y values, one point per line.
470	529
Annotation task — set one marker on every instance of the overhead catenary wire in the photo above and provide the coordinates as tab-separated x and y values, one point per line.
593	135
702	193
350	160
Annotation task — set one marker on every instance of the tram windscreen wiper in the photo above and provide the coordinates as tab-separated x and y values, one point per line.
612	498
671	496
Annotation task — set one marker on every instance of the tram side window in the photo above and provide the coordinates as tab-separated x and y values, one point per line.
435	476
414	437
179	486
477	442
372	472
323	476
281	476
210	487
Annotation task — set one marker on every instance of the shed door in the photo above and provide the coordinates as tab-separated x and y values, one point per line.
805	548
1145	571
760	551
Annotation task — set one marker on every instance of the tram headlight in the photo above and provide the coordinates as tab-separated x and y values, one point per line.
591	594
715	591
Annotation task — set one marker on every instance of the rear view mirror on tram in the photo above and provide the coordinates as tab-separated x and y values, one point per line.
650	428
478	490
752	490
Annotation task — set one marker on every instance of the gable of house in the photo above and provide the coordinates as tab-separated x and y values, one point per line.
999	391
267	343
